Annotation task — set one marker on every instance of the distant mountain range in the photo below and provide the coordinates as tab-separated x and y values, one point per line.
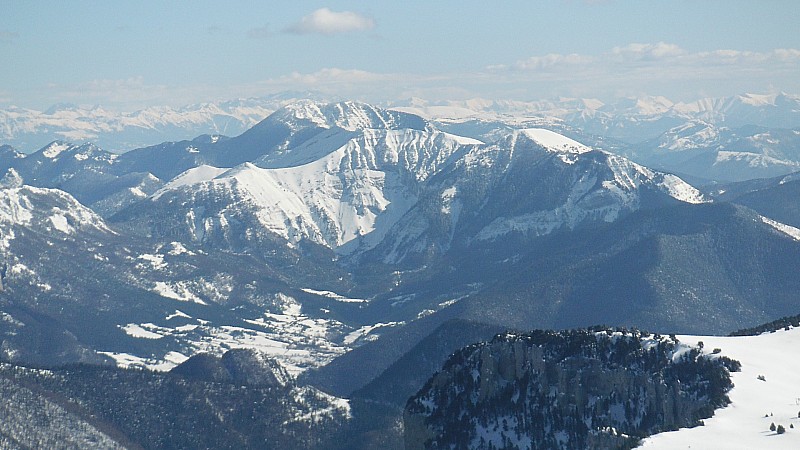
639	126
29	129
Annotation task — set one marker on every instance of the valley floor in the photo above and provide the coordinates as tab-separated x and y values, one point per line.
767	390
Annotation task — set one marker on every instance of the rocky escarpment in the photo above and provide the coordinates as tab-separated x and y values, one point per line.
596	388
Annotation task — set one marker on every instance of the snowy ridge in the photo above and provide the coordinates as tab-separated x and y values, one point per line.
585	201
788	230
639	108
681	190
29	129
348	115
57	150
754	160
195	175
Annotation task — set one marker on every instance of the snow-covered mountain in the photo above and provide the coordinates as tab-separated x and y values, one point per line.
353	178
87	172
43	232
706	151
531	183
339	218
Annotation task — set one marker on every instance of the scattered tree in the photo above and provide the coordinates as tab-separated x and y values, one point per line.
772	426
781	429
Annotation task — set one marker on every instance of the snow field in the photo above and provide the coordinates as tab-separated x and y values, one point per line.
755	403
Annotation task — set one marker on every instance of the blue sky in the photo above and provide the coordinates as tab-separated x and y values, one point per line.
128	55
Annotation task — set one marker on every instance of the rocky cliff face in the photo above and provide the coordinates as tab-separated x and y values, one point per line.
574	389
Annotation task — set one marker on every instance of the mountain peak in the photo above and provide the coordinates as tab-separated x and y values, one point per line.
348	115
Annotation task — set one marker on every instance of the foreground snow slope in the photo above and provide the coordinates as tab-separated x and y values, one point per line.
743	425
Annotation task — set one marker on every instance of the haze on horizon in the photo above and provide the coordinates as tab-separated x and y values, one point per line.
127	56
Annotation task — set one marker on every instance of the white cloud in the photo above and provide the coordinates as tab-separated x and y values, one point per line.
787	54
124	94
637	69
661	55
340	82
648	52
325	21
552	60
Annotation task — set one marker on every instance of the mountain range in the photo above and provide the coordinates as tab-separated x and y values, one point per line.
356	247
728	135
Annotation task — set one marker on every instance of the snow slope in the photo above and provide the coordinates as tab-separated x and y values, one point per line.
756	403
344	200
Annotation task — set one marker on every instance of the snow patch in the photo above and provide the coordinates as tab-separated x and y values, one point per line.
163	364
176	248
194	175
60	223
365	332
55	149
156	261
137	331
681	190
176	291
334	296
554	142
178	313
